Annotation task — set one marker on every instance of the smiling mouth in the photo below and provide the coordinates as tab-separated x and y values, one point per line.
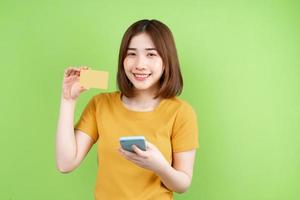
141	75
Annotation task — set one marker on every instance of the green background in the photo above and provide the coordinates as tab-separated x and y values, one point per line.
240	62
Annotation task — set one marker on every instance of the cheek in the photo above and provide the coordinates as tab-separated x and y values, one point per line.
128	63
158	65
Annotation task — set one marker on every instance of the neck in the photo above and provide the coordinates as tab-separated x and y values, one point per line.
143	101
143	96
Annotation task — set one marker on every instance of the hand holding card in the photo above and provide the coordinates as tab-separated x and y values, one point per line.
94	79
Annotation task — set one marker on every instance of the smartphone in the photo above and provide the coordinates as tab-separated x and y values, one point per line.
93	79
128	141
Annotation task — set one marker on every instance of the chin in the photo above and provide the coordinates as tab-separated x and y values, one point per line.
149	88
141	87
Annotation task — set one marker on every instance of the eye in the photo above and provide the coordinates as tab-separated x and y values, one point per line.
130	54
151	54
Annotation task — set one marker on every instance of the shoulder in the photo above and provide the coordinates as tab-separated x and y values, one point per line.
105	97
179	105
181	109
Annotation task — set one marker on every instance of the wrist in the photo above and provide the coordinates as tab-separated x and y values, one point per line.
163	169
67	100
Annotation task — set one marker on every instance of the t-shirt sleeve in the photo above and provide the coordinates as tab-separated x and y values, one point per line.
87	122
185	130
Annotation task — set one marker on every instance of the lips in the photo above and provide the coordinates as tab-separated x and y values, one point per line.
141	77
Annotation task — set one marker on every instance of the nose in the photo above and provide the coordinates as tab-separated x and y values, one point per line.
141	63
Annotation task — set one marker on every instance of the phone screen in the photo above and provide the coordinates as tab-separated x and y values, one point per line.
127	142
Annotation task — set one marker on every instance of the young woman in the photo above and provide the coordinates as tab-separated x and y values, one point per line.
149	79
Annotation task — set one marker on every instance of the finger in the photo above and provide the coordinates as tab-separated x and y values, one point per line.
138	161
149	145
72	80
71	76
133	159
68	73
131	155
84	68
75	73
71	70
140	164
69	79
82	89
122	151
67	69
139	152
128	155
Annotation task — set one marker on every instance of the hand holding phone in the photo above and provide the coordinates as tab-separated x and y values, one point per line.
128	141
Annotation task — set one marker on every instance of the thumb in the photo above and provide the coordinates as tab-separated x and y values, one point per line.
138	151
82	89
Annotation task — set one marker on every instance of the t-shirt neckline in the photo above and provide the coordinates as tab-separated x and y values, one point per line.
139	114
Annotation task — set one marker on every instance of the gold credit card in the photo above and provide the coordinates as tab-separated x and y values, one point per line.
93	79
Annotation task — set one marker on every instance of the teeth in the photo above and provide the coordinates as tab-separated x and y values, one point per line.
141	75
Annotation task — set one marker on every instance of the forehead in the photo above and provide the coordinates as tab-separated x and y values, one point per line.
141	41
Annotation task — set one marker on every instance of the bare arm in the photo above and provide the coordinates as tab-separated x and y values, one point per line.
71	146
178	178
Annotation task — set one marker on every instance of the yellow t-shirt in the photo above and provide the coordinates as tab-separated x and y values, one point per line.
171	127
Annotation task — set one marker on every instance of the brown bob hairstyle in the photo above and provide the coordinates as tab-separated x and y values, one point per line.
171	82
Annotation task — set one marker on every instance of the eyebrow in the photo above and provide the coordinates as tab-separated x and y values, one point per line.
148	49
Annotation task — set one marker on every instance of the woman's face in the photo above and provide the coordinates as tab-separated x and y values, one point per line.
143	65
